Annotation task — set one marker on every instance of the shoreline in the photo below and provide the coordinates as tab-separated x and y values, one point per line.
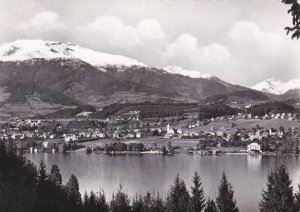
152	152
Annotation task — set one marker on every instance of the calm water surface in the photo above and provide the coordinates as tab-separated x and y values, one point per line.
155	172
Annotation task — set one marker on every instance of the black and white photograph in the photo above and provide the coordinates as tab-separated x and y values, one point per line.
149	106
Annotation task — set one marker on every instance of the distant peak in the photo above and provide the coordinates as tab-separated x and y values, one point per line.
276	86
185	72
273	79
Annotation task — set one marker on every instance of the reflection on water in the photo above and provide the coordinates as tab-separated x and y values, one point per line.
254	161
247	174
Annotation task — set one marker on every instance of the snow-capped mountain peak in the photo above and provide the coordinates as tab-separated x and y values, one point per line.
20	50
276	86
185	72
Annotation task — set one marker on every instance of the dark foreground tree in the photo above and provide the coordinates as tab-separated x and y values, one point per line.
279	193
295	13
74	196
147	203
225	200
153	203
23	188
43	189
17	181
42	174
138	204
210	206
197	198
120	202
297	200
178	197
55	176
95	202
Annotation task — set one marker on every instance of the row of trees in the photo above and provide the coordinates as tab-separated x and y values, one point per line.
120	146
147	109
207	111
271	108
23	188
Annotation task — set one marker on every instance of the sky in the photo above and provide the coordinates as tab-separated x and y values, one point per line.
239	41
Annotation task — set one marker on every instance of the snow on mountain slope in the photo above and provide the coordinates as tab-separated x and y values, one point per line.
188	73
29	49
276	86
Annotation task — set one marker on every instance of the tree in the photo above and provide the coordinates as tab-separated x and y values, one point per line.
120	202
138	204
297	200
154	203
62	148
49	196
225	200
178	197
147	203
55	176
94	202
17	180
210	206
295	13
85	202
169	145
42	174
102	205
279	193
197	198
164	150
72	189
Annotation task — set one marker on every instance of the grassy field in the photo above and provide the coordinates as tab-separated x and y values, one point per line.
273	123
242	123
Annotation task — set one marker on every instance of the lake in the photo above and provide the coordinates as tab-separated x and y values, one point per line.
246	173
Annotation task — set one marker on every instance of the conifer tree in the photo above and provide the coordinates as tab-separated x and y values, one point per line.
55	176
197	198
85	202
297	200
225	200
102	205
92	202
42	176
138	204
210	206
178	197
120	202
153	203
74	196
279	193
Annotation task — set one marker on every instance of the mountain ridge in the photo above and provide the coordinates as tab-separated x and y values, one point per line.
20	50
68	77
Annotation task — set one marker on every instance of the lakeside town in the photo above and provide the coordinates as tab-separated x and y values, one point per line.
128	133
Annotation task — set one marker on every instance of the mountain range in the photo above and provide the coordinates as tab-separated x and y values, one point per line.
47	74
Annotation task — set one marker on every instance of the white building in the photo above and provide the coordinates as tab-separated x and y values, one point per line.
45	144
254	147
138	135
70	138
170	132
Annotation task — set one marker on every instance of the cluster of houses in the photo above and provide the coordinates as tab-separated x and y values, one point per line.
23	129
129	126
242	134
51	130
